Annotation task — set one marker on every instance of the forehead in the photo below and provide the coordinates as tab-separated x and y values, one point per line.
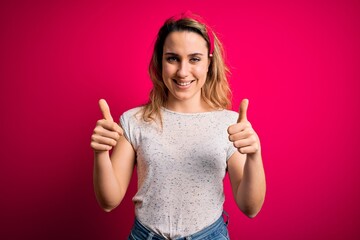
185	42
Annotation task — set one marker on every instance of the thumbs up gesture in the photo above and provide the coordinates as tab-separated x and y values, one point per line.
242	134
106	133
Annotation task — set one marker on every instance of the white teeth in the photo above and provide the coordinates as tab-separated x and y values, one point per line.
184	83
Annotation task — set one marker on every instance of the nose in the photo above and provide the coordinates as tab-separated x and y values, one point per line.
183	69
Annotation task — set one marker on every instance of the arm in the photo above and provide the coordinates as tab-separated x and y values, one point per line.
111	175
248	182
245	167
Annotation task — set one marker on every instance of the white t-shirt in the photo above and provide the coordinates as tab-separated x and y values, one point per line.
180	168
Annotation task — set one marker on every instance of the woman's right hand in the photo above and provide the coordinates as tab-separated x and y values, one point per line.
106	133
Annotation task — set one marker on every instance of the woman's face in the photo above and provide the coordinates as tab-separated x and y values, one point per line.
185	64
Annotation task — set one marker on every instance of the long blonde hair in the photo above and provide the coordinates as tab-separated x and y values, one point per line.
215	92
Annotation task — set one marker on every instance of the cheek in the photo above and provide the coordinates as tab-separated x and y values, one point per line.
201	71
167	70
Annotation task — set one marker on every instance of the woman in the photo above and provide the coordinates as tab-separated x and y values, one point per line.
182	142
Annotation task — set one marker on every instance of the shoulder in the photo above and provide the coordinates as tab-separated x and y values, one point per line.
230	113
226	115
133	113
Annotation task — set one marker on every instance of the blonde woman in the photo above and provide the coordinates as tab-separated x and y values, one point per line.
182	142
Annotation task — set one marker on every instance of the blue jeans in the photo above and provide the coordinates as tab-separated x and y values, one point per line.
216	231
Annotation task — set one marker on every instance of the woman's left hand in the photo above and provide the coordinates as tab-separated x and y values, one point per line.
242	134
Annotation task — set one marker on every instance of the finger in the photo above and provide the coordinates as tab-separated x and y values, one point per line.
106	133
248	150
111	126
104	107
104	140
243	110
244	143
100	147
119	130
238	127
239	135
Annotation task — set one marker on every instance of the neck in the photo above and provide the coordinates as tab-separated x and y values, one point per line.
187	106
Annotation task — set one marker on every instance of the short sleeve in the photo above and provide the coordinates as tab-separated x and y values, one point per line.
231	150
124	123
130	124
232	117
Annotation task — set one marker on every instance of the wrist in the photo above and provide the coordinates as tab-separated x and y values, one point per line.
254	156
101	154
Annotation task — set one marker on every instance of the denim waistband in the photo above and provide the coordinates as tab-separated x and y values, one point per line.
202	233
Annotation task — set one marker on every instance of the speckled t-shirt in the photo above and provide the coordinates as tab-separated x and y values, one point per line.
180	169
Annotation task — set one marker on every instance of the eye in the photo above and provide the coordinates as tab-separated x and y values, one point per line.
195	59
172	59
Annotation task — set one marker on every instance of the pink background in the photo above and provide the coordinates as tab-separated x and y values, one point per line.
297	62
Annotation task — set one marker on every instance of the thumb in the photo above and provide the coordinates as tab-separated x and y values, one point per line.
104	107
243	109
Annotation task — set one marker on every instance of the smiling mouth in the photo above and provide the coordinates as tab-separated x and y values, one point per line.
183	84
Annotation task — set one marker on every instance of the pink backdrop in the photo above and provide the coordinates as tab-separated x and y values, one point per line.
298	63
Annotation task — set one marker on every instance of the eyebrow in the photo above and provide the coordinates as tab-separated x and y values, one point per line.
190	55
